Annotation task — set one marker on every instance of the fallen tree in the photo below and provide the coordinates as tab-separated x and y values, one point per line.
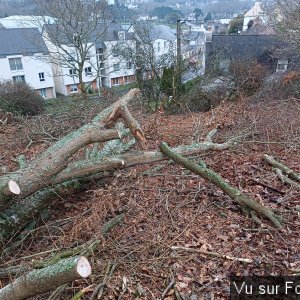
46	279
90	151
245	202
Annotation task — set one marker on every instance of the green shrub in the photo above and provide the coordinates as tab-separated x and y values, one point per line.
19	98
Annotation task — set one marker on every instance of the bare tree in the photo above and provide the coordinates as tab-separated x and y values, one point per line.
153	53
76	27
285	16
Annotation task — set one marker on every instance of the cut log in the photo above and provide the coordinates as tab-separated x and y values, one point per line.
37	173
43	280
216	179
22	212
14	188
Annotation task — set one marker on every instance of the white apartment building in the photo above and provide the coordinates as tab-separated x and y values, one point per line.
21	60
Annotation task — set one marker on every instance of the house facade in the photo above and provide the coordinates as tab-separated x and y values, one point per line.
22	61
114	56
193	53
255	13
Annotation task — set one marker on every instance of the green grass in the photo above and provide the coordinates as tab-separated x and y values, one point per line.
63	104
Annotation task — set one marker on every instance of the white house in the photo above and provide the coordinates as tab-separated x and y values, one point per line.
21	60
256	12
193	52
114	55
64	68
156	47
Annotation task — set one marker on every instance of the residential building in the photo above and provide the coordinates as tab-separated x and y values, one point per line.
115	52
256	12
64	65
22	61
193	52
269	50
156	48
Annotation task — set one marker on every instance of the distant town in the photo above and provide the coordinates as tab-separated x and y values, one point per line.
37	52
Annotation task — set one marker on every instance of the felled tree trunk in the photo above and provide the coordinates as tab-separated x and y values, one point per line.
35	175
216	179
43	280
21	213
27	191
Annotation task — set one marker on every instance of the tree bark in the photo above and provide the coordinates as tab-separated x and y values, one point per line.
216	179
291	173
22	212
35	175
43	280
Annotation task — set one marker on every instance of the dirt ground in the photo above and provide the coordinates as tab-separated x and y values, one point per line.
166	206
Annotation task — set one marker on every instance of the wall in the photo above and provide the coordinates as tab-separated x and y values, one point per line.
32	66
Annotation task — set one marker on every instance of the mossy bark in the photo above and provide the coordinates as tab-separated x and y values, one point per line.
42	280
220	182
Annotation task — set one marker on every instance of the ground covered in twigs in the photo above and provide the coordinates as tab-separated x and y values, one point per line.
166	206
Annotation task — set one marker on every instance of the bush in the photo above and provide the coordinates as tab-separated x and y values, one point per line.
19	98
248	76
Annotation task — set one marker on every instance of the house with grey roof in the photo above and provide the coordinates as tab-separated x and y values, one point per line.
269	50
193	53
22	60
114	55
156	48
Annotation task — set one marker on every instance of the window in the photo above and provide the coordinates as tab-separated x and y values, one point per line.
165	44
88	71
129	79
158	47
121	35
115	81
116	67
100	53
88	56
116	52
101	65
20	78
15	64
73	88
43	92
42	76
282	65
72	72
129	65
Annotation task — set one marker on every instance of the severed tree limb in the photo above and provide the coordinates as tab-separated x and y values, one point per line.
19	214
285	179
216	179
213	254
46	279
88	167
85	249
32	177
291	173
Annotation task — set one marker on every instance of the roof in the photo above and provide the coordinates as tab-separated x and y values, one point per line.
238	46
260	29
255	11
26	21
163	32
193	35
26	41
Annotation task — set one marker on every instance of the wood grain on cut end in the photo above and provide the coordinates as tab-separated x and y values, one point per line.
84	268
14	188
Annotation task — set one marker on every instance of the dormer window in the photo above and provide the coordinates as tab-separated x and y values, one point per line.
121	35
